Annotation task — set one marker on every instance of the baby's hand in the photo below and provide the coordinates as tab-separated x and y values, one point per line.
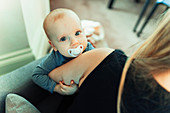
66	89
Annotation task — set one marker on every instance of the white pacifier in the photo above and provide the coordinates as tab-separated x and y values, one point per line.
75	52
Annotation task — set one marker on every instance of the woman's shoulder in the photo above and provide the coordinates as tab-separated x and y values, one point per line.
104	59
119	54
117	57
112	64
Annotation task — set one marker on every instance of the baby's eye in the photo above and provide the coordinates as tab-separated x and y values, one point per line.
78	33
62	39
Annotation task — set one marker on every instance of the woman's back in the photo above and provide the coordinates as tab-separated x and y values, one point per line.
139	96
98	93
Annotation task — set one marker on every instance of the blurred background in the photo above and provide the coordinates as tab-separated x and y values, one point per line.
23	40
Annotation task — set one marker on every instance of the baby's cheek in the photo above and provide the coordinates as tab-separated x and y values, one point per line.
64	50
85	43
64	47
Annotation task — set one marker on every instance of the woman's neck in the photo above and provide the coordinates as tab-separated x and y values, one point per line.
163	79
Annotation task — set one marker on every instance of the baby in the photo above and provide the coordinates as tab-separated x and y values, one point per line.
66	37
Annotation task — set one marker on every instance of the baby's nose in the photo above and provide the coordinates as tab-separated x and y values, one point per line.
74	42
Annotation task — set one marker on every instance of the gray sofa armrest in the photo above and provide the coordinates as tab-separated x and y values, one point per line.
20	82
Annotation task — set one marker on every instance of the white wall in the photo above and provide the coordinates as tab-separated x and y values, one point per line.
21	26
22	38
34	12
12	29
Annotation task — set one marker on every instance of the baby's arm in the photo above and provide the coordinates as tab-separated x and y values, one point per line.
40	73
80	67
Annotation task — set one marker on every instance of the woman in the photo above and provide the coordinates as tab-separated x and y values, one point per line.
110	82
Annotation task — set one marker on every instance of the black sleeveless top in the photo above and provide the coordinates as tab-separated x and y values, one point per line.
99	91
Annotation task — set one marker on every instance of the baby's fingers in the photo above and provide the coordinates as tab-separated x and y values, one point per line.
62	85
65	87
72	82
68	87
74	85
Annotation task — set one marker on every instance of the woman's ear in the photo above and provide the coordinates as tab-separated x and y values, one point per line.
49	41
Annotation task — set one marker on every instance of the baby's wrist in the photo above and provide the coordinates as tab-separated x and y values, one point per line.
56	88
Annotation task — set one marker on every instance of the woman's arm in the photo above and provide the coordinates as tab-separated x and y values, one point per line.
80	67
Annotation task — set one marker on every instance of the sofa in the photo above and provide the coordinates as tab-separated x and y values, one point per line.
19	82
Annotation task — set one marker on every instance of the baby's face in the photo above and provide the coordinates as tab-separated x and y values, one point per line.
67	34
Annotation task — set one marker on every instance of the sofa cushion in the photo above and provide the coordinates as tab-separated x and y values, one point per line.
18	104
20	82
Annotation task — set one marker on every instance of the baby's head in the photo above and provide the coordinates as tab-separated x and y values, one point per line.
65	33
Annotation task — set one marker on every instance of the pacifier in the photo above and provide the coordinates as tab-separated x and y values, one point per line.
75	52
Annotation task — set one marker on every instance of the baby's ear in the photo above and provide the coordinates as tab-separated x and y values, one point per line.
52	45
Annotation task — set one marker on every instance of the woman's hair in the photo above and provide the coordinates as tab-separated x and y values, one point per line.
153	56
